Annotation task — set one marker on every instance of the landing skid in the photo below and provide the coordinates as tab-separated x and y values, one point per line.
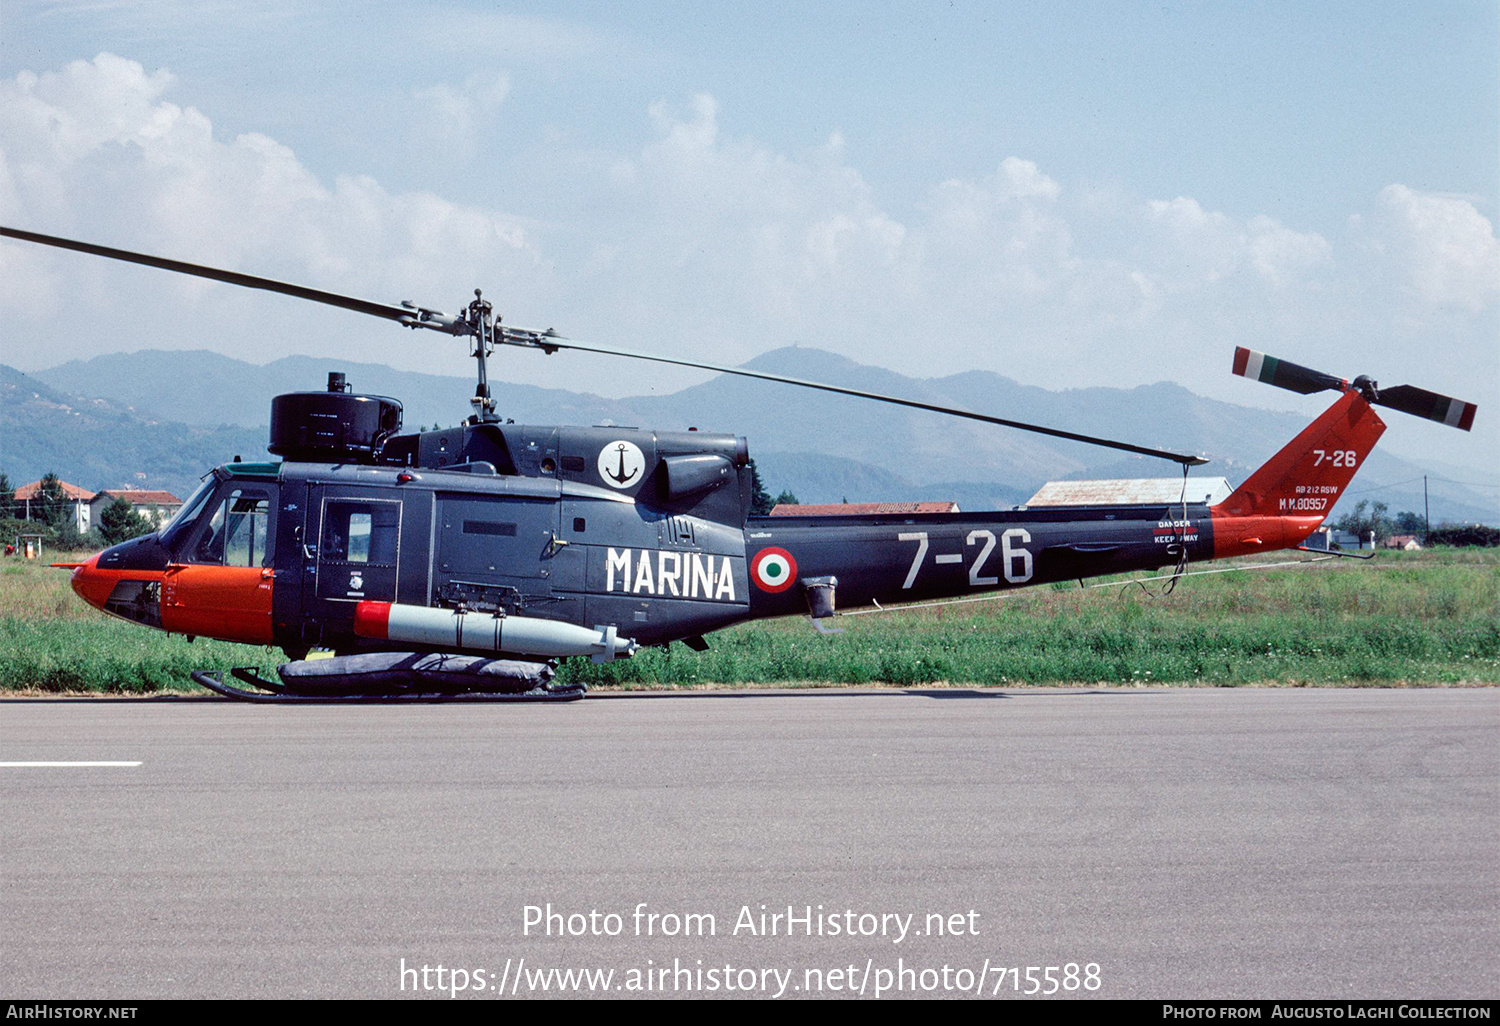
275	691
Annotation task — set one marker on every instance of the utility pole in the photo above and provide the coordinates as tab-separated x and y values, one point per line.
1426	513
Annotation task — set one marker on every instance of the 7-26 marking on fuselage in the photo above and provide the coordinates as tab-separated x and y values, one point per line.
1017	564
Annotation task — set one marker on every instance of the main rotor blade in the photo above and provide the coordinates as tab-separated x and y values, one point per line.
1282	373
249	281
549	342
413	317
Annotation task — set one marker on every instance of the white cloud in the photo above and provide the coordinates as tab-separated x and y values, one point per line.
1001	234
1198	248
701	241
1281	254
1447	247
449	115
95	150
740	243
694	134
1021	179
1192	247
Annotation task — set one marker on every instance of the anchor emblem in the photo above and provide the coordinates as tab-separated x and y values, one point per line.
622	476
621	463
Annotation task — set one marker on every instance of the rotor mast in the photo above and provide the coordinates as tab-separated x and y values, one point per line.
482	344
481	328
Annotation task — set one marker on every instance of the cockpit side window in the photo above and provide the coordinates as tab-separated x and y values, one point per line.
238	533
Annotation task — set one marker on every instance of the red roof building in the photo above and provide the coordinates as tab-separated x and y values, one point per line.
156	506
29	491
142	496
79	499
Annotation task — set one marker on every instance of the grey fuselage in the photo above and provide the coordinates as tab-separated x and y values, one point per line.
609	526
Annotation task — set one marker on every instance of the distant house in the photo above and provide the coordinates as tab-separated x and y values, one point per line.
78	499
844	509
1147	491
157	507
1332	538
1407	542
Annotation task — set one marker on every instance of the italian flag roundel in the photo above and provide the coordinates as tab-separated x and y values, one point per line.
773	569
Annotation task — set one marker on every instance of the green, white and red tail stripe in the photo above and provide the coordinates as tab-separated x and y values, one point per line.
1282	373
1422	403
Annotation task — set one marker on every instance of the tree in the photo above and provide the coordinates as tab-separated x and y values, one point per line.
1360	523
51	503
1408	522
786	498
1465	534
760	499
7	498
120	522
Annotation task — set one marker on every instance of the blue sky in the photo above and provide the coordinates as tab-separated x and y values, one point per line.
1067	193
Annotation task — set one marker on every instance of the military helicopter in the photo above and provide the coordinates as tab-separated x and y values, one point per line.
463	562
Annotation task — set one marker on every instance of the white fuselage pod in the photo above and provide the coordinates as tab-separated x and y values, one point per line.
458	630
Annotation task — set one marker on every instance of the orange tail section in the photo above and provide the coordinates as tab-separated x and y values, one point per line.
1284	501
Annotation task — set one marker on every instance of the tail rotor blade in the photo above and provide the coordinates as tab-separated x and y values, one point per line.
1407	398
1282	373
1421	403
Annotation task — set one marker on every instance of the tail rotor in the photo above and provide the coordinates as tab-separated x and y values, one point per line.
1406	398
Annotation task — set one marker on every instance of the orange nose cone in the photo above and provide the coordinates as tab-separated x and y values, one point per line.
92	584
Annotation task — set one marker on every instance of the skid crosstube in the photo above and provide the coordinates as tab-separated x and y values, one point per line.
274	691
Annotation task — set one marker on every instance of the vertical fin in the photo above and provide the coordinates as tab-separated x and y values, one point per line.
1284	501
1310	473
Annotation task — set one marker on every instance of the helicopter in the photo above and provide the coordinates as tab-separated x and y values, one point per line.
464	562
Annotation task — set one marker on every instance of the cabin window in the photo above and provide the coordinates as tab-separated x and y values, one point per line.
357	550
359	537
360	532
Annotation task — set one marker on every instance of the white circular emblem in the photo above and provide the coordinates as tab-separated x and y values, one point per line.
621	464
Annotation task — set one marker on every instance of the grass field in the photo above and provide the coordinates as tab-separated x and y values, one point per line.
1402	618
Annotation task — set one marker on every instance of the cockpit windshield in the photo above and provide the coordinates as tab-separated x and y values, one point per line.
188	513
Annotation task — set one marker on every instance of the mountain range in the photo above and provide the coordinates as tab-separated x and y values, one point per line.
160	419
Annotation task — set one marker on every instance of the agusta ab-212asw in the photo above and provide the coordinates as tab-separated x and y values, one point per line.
463	562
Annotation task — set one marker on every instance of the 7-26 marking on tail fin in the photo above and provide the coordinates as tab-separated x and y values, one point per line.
1340	457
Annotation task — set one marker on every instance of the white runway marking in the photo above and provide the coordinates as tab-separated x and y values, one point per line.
43	765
